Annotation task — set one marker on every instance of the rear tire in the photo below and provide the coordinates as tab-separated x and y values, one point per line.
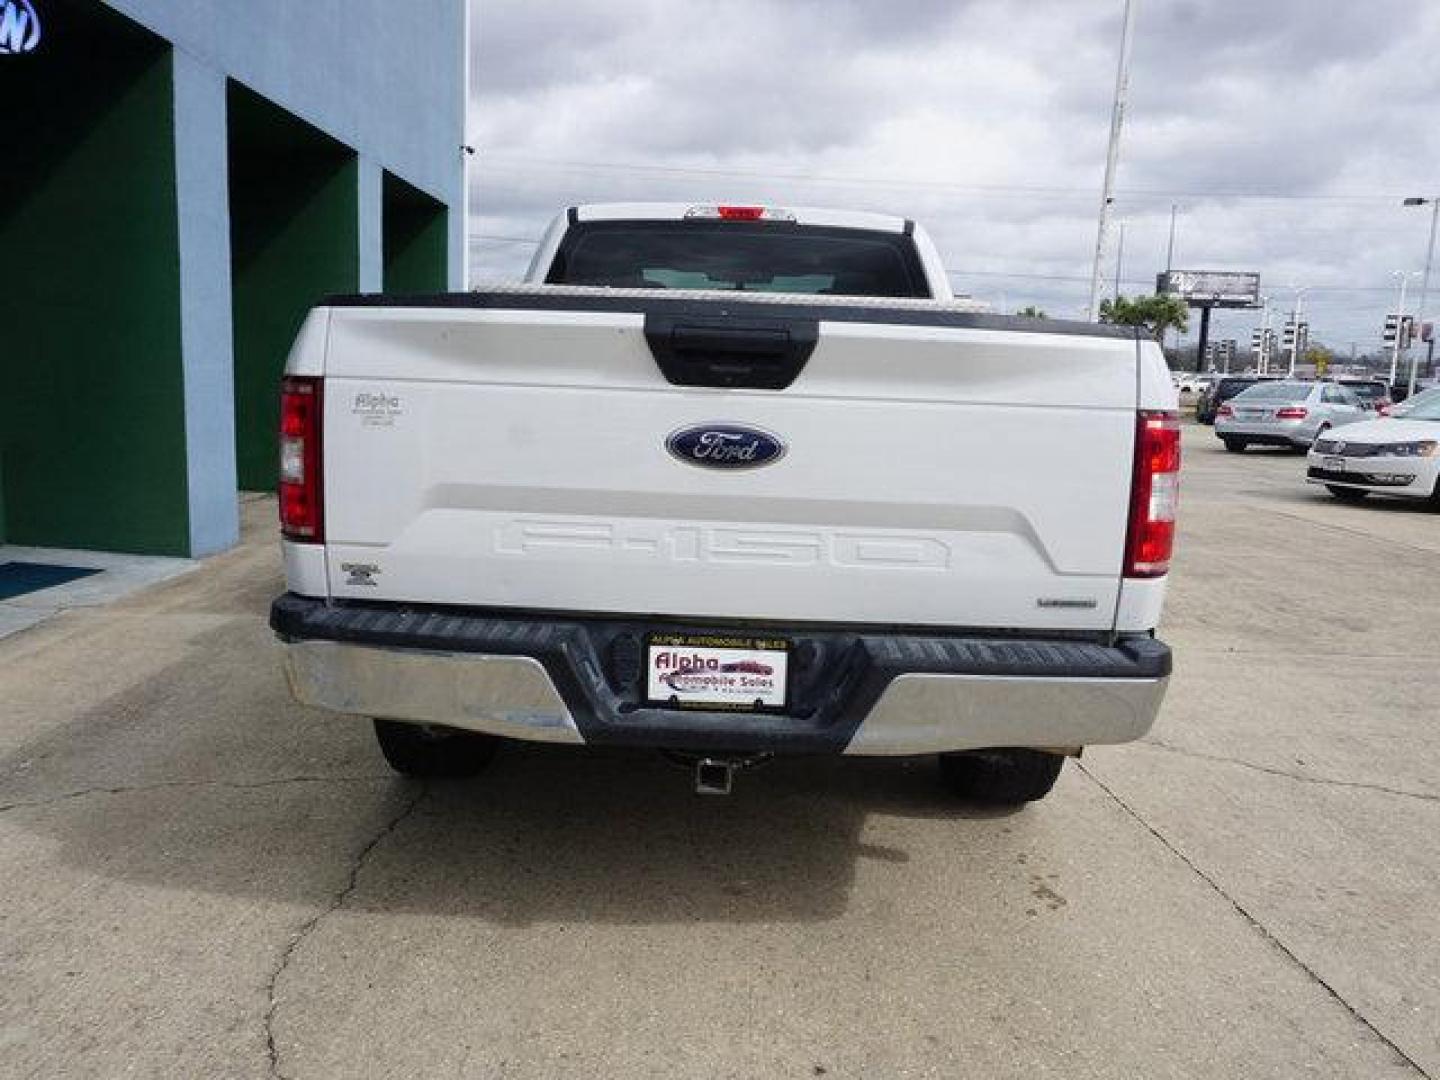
424	750
1234	445
1348	495
1004	777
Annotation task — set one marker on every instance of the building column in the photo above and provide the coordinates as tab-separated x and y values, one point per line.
206	334
371	224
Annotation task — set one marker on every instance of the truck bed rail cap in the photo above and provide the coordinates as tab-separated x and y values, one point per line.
962	314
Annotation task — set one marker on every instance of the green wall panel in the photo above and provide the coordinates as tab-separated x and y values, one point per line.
294	238
92	439
416	239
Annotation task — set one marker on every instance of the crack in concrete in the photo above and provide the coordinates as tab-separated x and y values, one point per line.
1352	532
1288	656
162	785
307	928
1322	781
1258	926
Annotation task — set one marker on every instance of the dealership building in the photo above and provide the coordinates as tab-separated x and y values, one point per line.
182	180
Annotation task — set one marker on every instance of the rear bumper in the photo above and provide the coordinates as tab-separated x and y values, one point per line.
578	680
1273	433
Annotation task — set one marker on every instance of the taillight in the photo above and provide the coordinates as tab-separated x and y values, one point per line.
1292	412
1154	495
1383	408
1225	410
302	510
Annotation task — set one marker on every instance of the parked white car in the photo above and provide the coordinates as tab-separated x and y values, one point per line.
1393	456
1419	399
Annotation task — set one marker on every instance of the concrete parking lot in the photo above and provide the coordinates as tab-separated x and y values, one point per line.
200	879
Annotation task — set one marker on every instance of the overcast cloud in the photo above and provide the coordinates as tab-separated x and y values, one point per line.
987	120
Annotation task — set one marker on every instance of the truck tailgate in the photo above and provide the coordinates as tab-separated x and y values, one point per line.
938	469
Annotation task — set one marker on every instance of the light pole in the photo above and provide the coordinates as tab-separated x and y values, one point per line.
1169	266
1404	276
1170	247
1119	259
1112	155
1433	201
1262	362
1295	326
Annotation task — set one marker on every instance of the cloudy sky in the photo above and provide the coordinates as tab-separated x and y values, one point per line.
1287	131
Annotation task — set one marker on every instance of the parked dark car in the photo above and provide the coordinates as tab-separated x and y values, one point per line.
1222	391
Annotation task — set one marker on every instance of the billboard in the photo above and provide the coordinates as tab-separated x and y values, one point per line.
1211	288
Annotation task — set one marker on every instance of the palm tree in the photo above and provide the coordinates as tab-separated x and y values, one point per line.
1156	313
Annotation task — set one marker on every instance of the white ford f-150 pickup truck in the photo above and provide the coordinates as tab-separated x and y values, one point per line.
728	482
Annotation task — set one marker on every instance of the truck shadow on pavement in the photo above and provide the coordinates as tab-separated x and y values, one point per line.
204	777
574	835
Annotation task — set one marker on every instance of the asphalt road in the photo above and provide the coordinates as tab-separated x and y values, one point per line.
199	879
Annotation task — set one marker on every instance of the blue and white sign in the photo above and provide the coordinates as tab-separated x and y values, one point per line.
19	27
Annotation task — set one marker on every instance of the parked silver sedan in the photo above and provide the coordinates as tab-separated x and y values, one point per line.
1290	413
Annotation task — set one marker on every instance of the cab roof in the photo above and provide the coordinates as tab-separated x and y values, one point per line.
803	215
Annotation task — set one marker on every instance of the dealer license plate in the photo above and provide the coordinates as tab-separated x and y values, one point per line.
1333	464
717	671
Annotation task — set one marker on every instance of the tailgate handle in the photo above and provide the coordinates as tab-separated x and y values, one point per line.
758	354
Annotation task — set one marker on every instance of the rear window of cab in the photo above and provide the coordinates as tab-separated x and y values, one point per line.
770	257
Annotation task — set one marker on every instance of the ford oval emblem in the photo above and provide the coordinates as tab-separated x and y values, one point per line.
725	446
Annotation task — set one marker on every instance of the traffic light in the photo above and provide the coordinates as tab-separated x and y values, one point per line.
1402	326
